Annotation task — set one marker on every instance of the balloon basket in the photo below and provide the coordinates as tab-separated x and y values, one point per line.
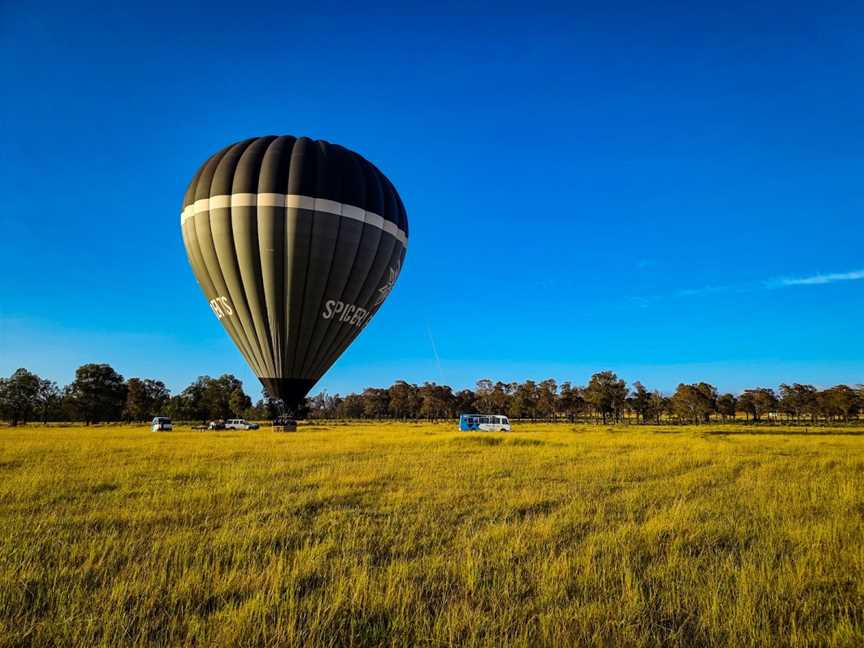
284	425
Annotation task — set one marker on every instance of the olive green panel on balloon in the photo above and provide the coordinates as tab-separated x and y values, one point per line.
211	292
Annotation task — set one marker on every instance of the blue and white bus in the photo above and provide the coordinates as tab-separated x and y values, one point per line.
484	423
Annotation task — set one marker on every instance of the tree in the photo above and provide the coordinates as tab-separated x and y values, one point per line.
607	394
403	400
436	401
180	408
659	405
376	402
351	407
798	399
321	406
483	396
758	402
217	394
239	402
570	400
144	399
860	392
189	404
500	396
211	398
523	404
547	398
48	400
18	396
98	393
840	401
766	401
693	402
709	393
726	406
640	401
463	402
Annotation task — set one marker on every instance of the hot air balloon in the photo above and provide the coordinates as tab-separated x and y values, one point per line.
296	243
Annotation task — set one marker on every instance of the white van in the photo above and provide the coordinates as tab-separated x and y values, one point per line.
161	423
484	423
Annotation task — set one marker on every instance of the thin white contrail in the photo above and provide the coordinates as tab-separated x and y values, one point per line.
819	279
435	351
754	286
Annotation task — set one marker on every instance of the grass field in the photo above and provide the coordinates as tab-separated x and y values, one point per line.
420	535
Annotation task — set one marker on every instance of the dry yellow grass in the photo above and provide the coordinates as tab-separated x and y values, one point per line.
421	535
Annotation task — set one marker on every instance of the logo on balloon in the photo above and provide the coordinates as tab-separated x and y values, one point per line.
384	290
350	313
221	307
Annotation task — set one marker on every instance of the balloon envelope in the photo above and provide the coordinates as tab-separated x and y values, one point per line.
296	243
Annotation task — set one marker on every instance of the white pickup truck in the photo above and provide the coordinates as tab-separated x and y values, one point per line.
240	424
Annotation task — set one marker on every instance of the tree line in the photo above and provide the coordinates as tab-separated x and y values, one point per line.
605	398
100	394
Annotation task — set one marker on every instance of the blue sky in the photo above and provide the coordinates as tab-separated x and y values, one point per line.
674	193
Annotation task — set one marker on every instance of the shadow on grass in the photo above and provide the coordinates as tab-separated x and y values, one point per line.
104	487
526	442
478	440
763	432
